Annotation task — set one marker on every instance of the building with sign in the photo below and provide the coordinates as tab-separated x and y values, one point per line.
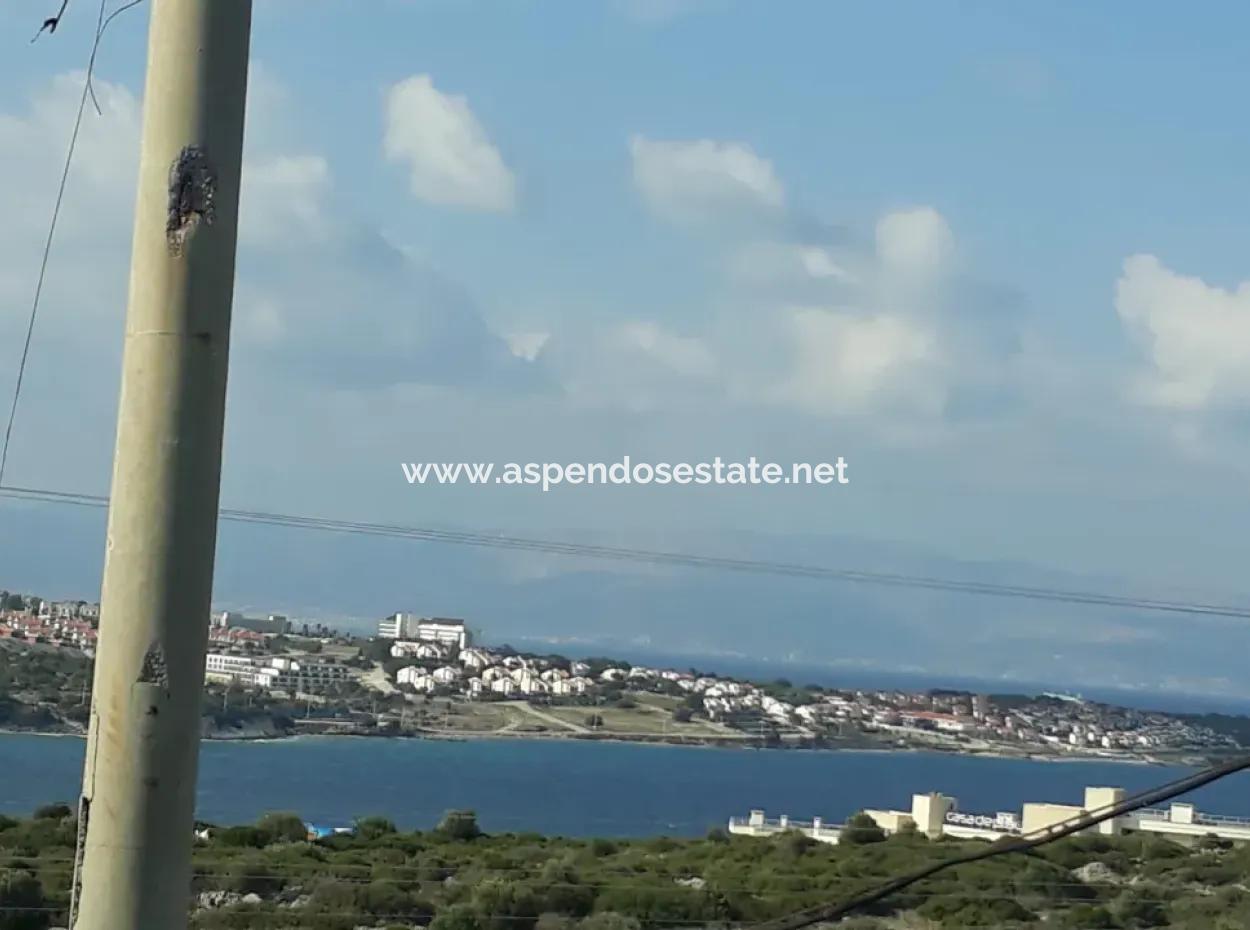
937	815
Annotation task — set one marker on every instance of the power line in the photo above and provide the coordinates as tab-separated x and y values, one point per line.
51	25
88	91
832	912
660	557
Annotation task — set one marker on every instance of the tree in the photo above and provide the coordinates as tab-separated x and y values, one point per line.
682	715
459	825
861	830
57	811
282	828
370	828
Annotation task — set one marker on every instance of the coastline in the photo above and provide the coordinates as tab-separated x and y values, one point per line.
687	743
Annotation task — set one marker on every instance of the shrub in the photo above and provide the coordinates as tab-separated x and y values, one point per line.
459	825
57	811
861	830
456	917
282	828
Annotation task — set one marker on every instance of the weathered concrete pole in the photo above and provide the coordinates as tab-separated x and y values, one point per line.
138	798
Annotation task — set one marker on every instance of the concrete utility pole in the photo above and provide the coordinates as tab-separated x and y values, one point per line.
136	813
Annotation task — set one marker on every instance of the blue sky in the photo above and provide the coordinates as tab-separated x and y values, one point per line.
894	232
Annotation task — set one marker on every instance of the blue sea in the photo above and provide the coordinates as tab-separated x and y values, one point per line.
577	788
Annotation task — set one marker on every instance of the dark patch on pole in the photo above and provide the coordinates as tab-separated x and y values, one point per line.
154	671
192	191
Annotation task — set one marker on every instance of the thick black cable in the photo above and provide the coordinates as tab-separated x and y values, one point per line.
836	911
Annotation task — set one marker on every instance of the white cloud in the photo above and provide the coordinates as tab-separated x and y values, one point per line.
102	181
704	181
764	263
527	345
283	199
849	362
1196	337
451	160
915	242
321	304
683	355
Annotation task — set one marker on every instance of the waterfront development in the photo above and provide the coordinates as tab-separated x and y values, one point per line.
424	676
579	788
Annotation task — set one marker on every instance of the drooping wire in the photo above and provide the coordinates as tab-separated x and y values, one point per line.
88	91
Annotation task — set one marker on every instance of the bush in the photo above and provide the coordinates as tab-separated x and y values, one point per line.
609	920
20	896
960	910
1088	917
253	875
459	825
456	917
57	811
861	830
602	847
370	828
238	837
1135	909
282	828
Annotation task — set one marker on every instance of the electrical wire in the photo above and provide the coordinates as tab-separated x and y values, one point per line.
659	557
88	92
47	246
836	911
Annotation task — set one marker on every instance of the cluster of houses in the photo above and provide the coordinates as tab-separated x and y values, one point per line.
71	624
1052	722
476	671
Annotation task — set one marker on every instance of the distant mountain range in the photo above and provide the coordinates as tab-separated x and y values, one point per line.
354	580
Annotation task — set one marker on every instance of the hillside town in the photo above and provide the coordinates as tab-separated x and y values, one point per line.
397	679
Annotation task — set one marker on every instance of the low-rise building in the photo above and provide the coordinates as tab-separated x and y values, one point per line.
441	630
276	673
937	815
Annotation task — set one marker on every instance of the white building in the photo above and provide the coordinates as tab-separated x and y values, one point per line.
440	630
505	686
418	650
273	624
227	669
937	815
281	673
758	825
417	677
475	658
446	674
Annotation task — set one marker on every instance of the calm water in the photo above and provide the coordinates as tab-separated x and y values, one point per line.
576	788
